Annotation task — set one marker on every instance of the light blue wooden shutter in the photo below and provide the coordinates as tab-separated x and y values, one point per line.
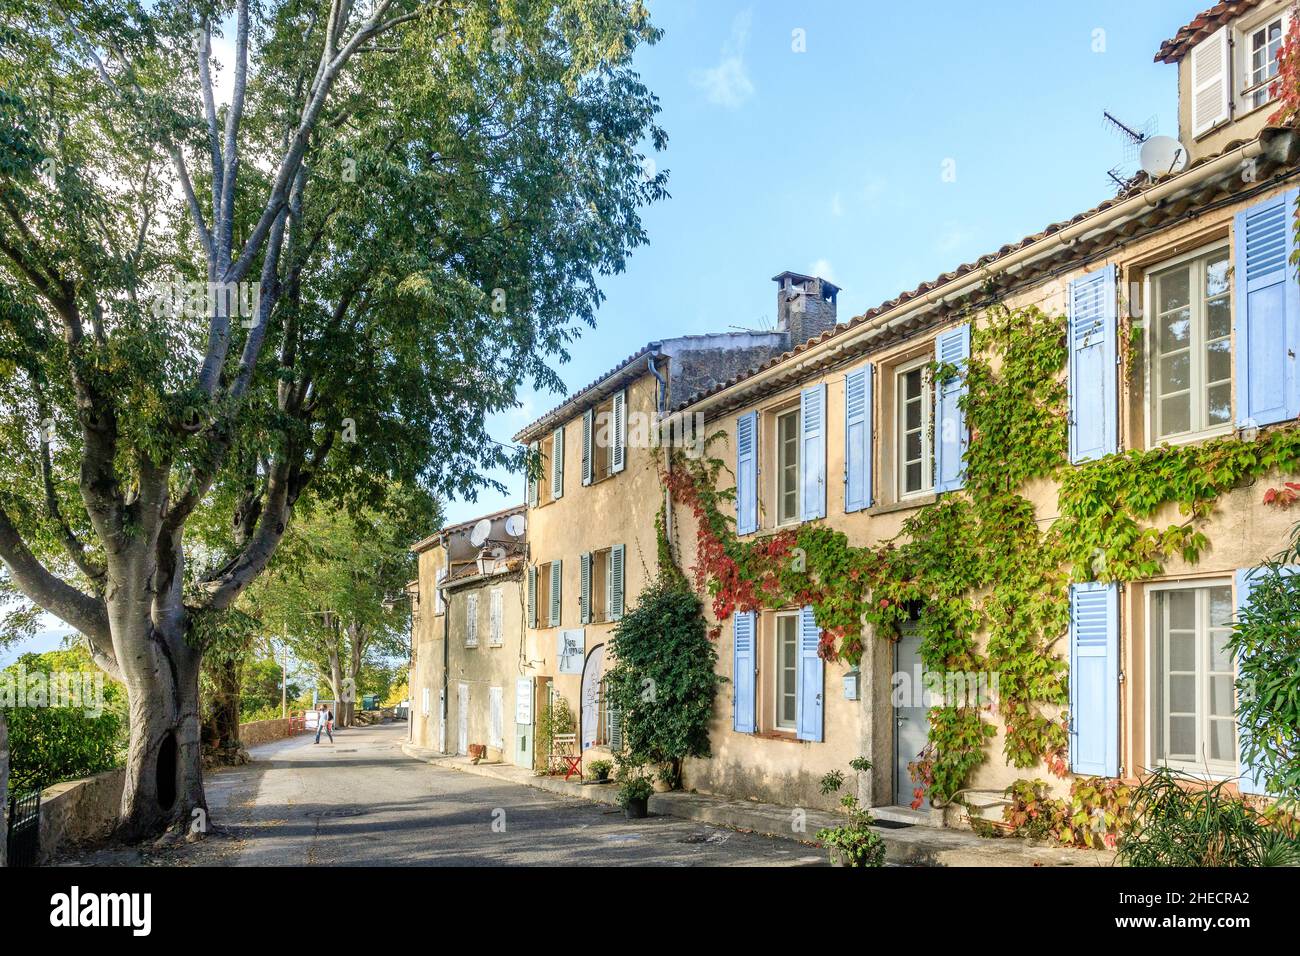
556	579
588	420
1267	312
532	595
747	473
618	452
584	588
614	579
614	732
812	452
742	672
857	439
811	678
557	463
1093	328
1094	679
953	348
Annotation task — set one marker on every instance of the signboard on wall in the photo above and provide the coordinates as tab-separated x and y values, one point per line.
591	677
571	650
524	700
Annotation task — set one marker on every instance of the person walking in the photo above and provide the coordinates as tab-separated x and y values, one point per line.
323	720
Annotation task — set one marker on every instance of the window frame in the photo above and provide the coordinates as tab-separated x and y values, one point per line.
602	417
496	617
780	690
1156	715
1197	348
1243	86
471	619
543	605
900	372
778	416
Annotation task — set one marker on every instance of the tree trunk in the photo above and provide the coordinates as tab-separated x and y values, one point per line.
223	716
4	787
336	685
164	768
355	651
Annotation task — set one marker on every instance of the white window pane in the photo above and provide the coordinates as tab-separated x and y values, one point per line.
1223	741
1216	274
1182	693
1176	415
1182	652
1174	290
1218	407
1182	610
1182	735
1222	611
1176	373
1222	702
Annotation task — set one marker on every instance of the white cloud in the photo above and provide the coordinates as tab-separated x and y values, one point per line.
823	270
728	84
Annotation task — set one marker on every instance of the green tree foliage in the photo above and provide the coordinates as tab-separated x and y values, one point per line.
425	195
1266	645
663	680
260	693
50	744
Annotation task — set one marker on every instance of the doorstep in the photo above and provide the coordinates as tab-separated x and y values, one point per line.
906	815
920	845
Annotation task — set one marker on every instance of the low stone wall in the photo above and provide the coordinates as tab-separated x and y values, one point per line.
263	731
83	811
80	811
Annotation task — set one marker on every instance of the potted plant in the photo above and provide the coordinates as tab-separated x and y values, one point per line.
855	842
634	792
599	770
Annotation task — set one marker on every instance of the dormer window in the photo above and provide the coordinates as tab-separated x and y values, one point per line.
1258	47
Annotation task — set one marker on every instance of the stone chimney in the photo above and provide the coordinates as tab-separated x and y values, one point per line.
805	306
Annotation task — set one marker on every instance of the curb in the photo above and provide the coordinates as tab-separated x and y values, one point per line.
910	846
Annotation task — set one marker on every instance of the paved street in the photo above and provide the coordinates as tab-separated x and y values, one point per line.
362	801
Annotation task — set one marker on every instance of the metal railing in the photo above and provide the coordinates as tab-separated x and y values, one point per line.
24	837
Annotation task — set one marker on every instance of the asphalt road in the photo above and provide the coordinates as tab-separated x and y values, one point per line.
363	802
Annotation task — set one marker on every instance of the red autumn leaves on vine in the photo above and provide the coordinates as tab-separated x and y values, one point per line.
1286	88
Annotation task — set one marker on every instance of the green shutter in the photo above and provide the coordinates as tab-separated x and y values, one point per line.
532	479
532	595
556	573
584	589
588	422
557	463
618	428
614	582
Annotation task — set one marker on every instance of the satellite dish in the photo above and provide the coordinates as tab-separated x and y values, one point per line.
515	526
480	532
1161	155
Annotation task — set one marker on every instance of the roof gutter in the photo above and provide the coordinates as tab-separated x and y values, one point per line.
819	353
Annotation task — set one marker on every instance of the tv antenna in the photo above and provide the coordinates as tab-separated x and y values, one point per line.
1123	174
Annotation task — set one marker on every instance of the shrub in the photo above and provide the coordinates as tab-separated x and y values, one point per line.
49	744
855	840
1184	821
663	680
1266	644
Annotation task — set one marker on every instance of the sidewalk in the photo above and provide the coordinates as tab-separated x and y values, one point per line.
910	846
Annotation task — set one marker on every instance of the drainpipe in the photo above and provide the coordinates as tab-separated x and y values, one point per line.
446	648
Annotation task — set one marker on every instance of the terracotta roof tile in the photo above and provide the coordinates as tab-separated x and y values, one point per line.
1205	23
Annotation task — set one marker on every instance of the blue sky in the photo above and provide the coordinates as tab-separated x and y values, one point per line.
830	160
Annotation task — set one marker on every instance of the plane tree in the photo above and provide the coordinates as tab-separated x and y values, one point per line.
395	214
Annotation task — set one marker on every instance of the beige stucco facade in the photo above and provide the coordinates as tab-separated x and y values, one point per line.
1242	533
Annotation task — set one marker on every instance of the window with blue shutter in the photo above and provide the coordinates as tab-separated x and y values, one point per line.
811	677
532	478
951	348
1267	312
857	439
742	671
1094	385
747	473
1252	777
812	452
1094	679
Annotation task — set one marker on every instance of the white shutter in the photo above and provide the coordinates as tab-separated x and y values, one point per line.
1211	81
441	576
556	577
584	589
496	718
497	616
532	595
557	463
471	620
